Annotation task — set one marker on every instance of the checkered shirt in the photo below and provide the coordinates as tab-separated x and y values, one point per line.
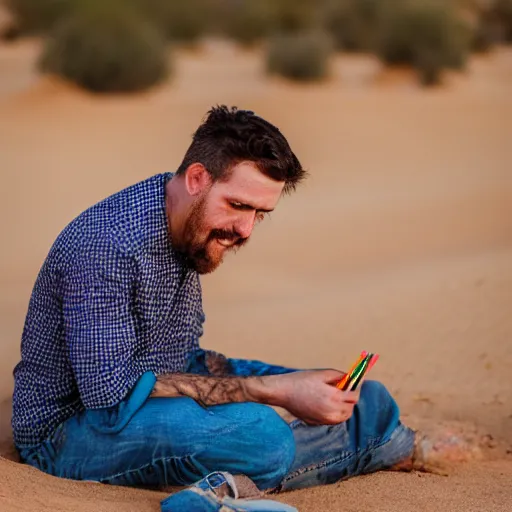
111	301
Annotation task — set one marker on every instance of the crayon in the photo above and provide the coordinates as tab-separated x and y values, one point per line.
347	376
371	361
358	375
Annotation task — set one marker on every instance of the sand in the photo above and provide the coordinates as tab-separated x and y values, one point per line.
399	242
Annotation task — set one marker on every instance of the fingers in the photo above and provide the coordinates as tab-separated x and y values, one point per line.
342	397
341	415
332	376
311	422
350	397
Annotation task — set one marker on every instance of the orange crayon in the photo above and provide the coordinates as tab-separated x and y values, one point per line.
347	376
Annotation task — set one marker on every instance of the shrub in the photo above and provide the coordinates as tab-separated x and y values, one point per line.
38	16
301	56
428	36
179	20
296	15
503	10
106	49
494	24
247	21
353	23
483	36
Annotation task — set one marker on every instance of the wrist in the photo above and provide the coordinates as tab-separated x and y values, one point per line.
263	390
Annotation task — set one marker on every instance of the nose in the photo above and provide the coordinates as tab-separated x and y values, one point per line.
245	224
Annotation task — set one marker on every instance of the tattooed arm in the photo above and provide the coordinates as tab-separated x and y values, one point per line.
214	390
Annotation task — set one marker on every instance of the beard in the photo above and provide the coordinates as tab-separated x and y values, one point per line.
200	245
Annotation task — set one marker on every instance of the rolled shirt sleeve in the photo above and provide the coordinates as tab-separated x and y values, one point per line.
112	420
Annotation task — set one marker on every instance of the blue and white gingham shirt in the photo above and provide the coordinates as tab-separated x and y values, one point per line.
112	301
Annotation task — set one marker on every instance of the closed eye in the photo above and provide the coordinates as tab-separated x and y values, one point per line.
240	206
260	214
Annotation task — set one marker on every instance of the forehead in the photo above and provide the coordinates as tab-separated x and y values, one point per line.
247	184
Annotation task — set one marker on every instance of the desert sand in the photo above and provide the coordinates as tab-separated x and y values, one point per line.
399	242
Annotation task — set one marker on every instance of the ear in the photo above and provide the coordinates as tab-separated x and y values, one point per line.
197	179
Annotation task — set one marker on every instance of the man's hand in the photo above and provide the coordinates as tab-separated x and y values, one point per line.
312	396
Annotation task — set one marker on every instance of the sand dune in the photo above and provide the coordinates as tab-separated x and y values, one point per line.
400	242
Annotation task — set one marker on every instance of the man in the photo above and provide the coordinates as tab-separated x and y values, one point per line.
112	385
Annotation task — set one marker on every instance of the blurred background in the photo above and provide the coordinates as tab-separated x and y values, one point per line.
400	242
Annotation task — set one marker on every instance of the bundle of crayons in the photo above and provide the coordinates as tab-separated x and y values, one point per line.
352	379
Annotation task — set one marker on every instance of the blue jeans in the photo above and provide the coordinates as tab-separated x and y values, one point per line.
175	441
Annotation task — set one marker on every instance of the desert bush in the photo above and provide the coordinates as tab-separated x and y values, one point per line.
503	10
353	23
179	20
296	15
249	20
38	16
106	49
299	56
246	21
428	36
494	24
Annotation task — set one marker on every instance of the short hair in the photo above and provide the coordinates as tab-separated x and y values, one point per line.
229	136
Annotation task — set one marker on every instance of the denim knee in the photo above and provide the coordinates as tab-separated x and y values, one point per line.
273	451
378	412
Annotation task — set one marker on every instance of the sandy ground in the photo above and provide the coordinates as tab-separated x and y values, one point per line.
400	242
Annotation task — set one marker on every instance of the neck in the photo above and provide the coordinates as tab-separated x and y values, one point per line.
175	208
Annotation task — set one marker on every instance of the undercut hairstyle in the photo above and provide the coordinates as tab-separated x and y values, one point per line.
229	136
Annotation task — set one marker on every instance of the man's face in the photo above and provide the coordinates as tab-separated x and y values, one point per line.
224	215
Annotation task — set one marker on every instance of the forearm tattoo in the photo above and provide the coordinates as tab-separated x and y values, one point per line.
205	390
